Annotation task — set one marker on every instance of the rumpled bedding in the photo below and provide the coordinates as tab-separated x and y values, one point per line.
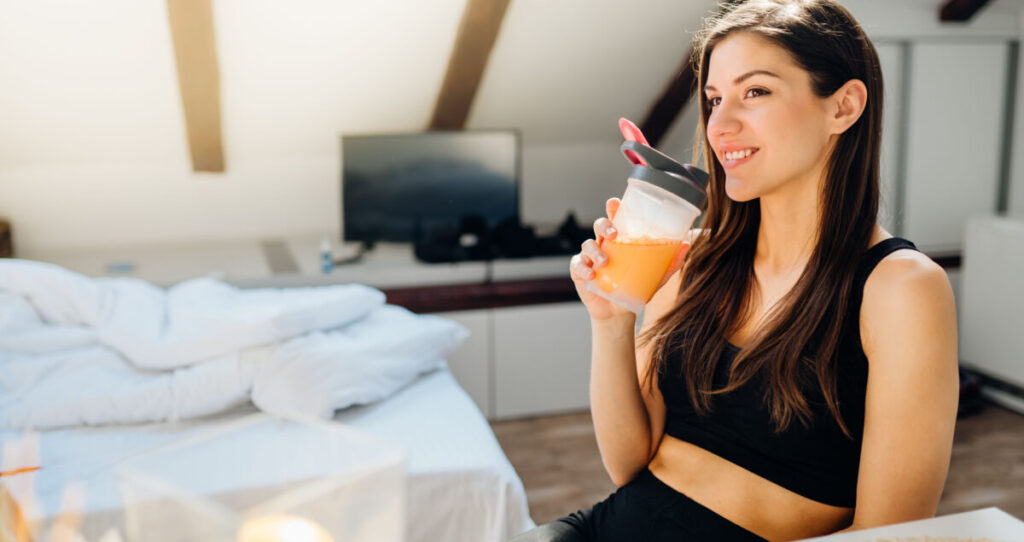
79	351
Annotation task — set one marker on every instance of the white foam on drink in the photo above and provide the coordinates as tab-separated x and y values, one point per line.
649	211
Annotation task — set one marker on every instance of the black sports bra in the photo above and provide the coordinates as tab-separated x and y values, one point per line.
818	462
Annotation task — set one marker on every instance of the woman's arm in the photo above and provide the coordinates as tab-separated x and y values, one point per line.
621	422
909	333
629	418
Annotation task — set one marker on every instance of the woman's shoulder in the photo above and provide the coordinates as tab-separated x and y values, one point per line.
905	288
895	269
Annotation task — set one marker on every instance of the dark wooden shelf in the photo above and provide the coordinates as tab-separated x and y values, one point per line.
461	297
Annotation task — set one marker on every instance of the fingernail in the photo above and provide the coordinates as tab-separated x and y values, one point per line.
611	230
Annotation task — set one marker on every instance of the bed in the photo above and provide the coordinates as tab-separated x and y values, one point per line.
111	369
460	487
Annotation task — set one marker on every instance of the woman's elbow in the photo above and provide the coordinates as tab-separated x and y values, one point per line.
620	480
622	475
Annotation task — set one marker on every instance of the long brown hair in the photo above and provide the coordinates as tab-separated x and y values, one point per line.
796	346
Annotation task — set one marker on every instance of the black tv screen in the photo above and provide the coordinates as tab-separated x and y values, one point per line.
395	186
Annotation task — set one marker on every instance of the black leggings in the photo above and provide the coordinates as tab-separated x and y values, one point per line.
644	509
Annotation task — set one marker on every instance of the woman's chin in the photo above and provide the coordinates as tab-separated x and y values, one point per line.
737	191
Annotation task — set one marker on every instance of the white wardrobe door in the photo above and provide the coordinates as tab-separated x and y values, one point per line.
955	123
891	57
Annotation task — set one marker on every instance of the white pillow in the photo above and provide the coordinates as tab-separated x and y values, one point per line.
366	361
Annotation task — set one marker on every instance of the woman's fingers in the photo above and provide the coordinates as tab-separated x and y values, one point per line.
612	206
582	265
604	229
579	268
594	254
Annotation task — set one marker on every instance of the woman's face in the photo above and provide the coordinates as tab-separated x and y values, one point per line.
762	104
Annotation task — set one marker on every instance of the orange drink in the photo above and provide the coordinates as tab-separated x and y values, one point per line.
635	266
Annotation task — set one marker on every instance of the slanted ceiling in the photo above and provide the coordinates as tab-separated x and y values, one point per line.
96	82
565	71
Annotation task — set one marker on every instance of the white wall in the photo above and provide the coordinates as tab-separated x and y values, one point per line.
93	149
917	19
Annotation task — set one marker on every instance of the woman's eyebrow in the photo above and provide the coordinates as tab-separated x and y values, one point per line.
741	78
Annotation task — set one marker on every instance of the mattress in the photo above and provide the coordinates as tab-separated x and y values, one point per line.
460	485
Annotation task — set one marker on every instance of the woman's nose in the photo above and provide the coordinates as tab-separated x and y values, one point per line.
723	120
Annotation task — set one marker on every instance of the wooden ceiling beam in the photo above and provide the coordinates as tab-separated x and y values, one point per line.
673	99
960	10
195	55
477	33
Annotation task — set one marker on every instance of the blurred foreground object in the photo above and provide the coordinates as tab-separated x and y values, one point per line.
339	484
12	523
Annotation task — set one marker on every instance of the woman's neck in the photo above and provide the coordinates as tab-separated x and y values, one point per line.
789	227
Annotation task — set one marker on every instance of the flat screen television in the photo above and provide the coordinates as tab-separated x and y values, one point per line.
395	187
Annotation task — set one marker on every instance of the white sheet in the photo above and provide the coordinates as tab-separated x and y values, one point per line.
190	322
81	351
461	486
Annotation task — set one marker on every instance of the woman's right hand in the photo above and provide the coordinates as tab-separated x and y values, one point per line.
583	265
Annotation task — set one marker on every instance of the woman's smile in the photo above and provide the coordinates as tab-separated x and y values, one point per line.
733	159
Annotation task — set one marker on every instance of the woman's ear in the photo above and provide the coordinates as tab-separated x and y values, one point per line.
846	105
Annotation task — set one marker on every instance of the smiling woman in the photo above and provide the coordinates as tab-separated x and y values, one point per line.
745	409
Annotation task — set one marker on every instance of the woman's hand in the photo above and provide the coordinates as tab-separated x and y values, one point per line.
591	257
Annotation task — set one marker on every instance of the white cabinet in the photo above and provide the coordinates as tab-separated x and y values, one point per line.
471	362
541	359
525	361
992	305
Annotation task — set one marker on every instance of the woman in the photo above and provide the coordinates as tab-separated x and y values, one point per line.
798	375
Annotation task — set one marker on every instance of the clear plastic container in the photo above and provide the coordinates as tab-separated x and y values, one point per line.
267	479
662	200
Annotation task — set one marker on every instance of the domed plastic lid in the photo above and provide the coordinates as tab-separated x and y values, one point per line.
684	180
672	182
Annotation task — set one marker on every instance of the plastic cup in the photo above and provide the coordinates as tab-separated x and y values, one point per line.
662	200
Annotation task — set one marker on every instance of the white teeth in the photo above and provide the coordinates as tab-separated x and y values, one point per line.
736	155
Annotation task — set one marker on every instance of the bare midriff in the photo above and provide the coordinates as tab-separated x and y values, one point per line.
742	497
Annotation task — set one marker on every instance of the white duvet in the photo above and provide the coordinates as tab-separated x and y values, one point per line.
81	351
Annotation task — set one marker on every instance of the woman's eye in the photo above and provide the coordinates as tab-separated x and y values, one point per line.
715	100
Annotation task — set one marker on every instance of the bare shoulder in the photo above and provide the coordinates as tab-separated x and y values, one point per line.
907	295
902	269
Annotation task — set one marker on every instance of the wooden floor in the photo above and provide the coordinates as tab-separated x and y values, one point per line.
558	461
